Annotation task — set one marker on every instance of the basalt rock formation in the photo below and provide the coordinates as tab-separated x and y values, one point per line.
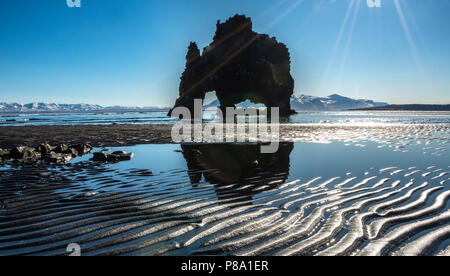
239	64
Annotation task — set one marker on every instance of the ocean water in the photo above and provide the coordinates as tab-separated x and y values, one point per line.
338	117
86	119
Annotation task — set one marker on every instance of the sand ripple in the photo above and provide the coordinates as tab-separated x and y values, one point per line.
396	211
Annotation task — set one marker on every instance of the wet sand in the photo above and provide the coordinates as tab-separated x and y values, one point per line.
340	190
205	209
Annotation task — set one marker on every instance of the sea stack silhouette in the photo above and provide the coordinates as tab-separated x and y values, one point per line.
238	65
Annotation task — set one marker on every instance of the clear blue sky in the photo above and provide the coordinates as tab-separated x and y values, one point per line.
132	52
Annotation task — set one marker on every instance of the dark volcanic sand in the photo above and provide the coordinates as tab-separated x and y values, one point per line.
97	136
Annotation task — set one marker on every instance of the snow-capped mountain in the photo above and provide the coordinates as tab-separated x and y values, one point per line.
299	103
311	103
331	103
52	107
46	107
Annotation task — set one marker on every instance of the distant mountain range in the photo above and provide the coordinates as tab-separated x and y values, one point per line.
52	107
411	107
299	103
333	102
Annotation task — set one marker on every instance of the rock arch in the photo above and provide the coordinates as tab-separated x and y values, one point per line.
239	64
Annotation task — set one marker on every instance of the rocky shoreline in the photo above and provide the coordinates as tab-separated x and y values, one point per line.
46	153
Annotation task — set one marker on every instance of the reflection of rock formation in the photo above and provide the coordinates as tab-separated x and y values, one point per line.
239	64
240	165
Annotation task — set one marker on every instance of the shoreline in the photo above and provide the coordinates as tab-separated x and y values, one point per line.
72	112
130	135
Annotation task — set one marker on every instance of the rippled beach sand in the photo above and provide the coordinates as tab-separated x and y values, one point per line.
329	190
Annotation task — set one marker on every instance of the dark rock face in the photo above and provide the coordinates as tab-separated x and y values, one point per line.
3	153
45	149
54	157
100	157
81	149
61	148
114	157
20	152
239	64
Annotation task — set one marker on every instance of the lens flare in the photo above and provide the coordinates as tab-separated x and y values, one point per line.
408	35
338	40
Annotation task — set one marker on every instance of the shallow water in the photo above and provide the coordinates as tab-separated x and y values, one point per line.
102	118
337	198
371	117
335	117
